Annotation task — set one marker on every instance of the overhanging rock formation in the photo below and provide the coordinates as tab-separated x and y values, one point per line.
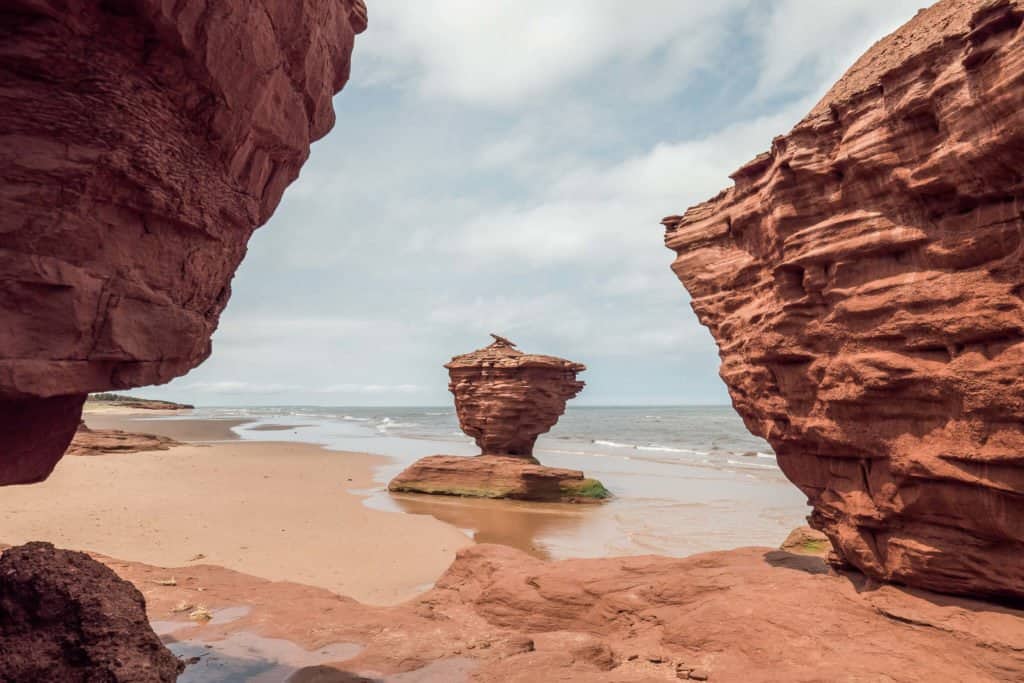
143	142
863	280
505	399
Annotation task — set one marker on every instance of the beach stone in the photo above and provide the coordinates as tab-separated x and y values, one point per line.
144	142
66	617
863	281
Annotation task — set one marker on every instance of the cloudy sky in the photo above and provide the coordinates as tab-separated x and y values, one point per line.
503	166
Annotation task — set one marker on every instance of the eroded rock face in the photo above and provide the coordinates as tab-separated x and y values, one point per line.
863	281
143	142
66	617
506	398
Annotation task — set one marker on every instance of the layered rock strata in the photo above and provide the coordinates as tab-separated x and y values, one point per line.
863	280
496	476
500	615
108	441
66	617
505	399
142	143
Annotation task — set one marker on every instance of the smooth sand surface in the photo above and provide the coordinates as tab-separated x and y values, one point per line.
281	511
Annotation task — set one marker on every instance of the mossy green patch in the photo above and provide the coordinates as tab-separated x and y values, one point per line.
463	491
813	547
585	488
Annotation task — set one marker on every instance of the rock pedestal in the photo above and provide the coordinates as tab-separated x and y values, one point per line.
505	399
864	280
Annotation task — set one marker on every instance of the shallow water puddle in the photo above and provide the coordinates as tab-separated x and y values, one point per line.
247	657
220	616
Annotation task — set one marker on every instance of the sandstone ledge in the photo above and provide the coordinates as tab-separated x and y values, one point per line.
496	476
726	616
106	441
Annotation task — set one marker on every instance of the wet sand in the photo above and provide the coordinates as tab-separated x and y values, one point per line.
280	511
173	424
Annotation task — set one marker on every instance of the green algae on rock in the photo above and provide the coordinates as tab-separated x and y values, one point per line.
497	476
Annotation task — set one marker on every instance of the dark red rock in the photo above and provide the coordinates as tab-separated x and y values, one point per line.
34	433
143	142
66	617
863	281
506	398
496	476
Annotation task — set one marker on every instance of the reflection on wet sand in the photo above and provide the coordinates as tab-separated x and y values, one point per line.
512	523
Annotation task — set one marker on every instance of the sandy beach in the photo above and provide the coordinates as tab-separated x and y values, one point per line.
279	511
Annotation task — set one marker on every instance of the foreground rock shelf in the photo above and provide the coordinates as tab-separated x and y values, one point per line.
495	476
863	280
753	614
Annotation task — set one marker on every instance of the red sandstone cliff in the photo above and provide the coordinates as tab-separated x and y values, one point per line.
863	280
505	398
143	142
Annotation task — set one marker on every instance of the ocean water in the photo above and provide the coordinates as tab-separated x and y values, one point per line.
686	479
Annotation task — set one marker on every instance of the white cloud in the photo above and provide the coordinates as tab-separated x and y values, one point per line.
502	52
369	389
608	213
240	387
822	38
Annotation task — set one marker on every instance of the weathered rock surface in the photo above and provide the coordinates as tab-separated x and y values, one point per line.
66	617
495	476
807	541
142	143
863	280
106	441
752	614
506	398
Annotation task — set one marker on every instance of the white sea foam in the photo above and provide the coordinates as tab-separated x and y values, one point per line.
612	444
667	449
